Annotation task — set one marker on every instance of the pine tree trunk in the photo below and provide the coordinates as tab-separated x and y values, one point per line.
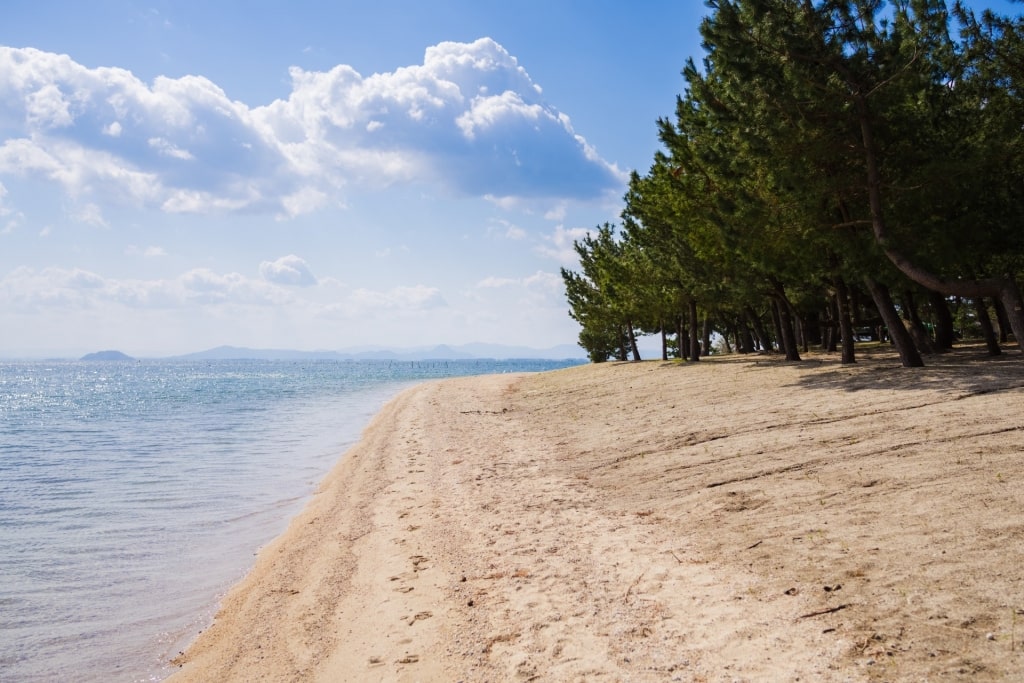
1004	322
759	331
746	339
787	316
780	340
632	341
680	338
788	338
705	335
845	322
944	336
694	332
986	327
899	335
913	323
1014	305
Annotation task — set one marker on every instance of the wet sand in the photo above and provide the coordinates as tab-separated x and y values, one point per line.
741	518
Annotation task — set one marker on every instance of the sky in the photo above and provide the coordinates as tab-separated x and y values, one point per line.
177	175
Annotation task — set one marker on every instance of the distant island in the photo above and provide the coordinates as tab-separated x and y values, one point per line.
106	355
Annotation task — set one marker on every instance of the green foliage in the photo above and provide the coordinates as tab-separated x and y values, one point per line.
821	141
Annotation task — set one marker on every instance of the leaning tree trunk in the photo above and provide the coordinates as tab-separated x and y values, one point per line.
991	343
845	323
1004	288
899	335
664	343
914	325
632	341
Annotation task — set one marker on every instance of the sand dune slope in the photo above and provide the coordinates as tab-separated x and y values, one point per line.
734	519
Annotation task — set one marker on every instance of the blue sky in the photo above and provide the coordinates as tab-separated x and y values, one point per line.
316	175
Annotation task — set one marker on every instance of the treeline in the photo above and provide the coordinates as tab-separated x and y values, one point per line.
833	168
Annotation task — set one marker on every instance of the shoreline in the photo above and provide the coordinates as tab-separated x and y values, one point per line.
740	518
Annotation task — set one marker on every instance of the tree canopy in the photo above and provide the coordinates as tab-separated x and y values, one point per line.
834	168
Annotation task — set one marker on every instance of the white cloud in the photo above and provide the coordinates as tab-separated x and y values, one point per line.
62	289
507	229
496	282
545	280
91	214
11	221
418	297
469	118
47	108
168	149
559	246
288	270
540	280
556	213
305	200
148	252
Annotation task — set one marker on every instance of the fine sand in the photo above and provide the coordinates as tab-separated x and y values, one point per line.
737	519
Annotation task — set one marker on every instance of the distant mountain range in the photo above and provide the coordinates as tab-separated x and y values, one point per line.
442	352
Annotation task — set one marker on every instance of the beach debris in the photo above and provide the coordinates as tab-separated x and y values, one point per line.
822	612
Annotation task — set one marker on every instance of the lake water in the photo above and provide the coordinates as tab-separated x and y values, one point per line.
134	494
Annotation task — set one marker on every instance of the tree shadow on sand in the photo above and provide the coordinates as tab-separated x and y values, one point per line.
965	371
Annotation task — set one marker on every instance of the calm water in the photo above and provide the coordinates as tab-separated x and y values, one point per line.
133	494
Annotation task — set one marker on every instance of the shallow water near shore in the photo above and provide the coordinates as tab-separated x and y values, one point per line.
133	494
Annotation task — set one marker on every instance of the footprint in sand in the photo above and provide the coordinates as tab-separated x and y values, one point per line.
420	616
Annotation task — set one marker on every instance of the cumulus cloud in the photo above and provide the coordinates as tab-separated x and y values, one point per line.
469	118
288	270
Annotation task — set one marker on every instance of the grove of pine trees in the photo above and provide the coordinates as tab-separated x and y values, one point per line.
834	168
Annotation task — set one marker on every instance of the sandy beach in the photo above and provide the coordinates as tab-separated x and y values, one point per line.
736	519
